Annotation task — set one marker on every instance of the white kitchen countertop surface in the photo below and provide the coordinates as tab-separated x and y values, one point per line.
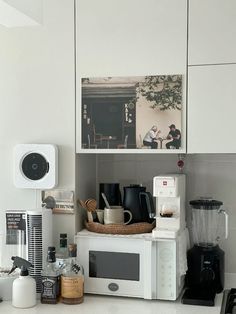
94	304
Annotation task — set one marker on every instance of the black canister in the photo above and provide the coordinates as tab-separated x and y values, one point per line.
112	192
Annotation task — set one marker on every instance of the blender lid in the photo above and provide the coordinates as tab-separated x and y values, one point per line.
205	203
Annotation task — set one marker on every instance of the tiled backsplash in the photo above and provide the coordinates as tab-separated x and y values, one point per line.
207	175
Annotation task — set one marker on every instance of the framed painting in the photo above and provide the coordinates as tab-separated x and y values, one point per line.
144	112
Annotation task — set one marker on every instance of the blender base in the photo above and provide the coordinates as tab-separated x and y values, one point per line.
199	297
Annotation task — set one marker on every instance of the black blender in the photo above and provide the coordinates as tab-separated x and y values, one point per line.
205	275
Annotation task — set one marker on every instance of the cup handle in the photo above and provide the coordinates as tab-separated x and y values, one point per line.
130	216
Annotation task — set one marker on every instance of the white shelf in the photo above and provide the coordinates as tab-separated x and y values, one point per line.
131	151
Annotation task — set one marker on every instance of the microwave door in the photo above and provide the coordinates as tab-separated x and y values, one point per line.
114	265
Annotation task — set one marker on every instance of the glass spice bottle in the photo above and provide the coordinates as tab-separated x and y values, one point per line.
72	279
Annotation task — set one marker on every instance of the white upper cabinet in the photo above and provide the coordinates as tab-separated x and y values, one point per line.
212	109
130	37
212	31
15	13
127	38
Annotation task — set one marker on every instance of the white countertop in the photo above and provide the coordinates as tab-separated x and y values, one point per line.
115	305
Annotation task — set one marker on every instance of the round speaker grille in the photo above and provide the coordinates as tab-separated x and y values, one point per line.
35	166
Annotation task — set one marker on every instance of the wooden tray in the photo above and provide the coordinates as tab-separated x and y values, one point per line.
141	227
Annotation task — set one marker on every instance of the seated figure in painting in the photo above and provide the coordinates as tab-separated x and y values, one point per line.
151	137
175	135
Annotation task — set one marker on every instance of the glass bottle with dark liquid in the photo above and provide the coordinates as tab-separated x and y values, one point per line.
50	279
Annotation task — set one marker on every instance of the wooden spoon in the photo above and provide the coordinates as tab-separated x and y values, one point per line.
91	206
89	214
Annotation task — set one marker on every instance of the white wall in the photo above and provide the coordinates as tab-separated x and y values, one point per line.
37	101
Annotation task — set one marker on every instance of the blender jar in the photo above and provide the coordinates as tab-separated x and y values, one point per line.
206	222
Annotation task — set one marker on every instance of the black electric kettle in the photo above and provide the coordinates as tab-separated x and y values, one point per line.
139	202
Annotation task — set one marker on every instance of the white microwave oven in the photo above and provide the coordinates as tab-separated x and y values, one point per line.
132	265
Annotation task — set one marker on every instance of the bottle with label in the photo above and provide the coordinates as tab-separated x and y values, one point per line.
72	279
50	279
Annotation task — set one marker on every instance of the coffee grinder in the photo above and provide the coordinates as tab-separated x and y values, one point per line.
205	275
169	191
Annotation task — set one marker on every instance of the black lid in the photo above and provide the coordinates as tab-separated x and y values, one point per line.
63	235
51	254
135	186
205	203
63	240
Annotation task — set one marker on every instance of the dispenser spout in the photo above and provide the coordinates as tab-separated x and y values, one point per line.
19	262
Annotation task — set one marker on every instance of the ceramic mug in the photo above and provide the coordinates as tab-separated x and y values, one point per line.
115	215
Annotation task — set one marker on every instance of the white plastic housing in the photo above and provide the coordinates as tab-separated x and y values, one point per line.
24	292
169	191
49	152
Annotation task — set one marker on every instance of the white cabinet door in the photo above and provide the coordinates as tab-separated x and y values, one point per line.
212	109
119	38
130	37
212	31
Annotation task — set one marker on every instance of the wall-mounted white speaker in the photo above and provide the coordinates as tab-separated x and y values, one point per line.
35	166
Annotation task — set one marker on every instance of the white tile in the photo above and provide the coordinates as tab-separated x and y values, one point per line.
230	251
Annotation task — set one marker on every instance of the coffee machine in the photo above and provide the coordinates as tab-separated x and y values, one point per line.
169	191
205	275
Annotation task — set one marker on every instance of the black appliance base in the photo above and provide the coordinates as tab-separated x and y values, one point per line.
198	297
228	302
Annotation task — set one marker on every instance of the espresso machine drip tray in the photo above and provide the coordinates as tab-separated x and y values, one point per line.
228	305
205	297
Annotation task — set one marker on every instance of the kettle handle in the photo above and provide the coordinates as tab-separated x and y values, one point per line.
149	203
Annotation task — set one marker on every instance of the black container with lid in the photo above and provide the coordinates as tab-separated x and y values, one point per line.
112	193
